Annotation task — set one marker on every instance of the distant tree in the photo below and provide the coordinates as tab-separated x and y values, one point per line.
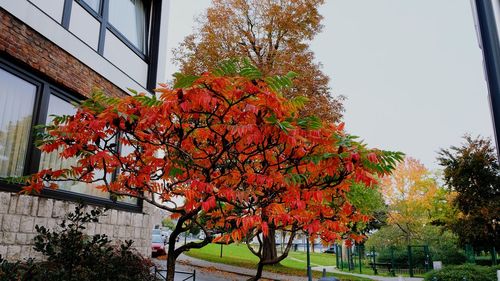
168	223
471	170
274	35
414	198
368	201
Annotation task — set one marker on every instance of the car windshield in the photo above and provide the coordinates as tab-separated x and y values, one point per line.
157	239
156	232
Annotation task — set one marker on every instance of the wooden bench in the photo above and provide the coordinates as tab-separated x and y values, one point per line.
388	265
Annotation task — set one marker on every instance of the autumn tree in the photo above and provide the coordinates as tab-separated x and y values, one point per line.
472	172
414	199
238	154
274	35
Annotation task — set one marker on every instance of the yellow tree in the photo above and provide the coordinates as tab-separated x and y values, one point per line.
414	199
274	35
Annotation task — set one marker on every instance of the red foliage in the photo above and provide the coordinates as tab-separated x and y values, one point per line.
237	153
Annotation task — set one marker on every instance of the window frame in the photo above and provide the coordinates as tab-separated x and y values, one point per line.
102	17
45	88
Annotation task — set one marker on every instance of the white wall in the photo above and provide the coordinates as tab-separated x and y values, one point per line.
124	58
163	64
54	8
84	26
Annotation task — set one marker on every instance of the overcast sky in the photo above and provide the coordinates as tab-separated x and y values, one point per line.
411	70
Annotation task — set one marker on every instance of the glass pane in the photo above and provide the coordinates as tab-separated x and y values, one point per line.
58	106
17	98
127	150
94	4
129	17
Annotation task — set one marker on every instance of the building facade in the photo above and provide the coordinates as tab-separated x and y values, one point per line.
54	52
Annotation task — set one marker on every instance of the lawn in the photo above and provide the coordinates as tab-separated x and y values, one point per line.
295	264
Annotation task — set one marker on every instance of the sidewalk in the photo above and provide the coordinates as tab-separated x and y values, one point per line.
333	269
183	259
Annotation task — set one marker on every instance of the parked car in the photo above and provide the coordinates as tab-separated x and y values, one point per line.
157	246
330	250
156	231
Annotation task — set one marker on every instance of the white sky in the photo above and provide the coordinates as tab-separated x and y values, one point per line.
411	70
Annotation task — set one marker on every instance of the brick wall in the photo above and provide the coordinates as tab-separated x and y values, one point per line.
26	45
20	213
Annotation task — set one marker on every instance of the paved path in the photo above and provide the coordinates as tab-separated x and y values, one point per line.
373	277
210	271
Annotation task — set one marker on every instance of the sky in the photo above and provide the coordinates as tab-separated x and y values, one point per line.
411	70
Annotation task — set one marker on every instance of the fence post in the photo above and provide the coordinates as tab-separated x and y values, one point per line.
194	275
493	256
427	258
373	261
337	255
341	259
410	261
359	259
393	273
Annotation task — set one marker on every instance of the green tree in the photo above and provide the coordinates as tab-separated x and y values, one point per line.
471	170
168	223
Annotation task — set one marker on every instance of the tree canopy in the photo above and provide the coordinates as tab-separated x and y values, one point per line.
237	152
472	172
274	35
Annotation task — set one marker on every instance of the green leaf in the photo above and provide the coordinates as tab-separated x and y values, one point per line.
132	91
310	122
184	81
175	172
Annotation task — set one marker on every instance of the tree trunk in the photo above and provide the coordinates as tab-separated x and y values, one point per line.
170	266
269	246
171	256
258	274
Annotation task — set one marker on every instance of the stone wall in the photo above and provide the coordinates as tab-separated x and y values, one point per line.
20	213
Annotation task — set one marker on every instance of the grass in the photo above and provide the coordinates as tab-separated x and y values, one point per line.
295	264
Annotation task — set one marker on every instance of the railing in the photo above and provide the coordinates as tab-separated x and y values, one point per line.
162	273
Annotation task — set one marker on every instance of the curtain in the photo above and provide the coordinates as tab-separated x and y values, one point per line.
129	17
140	23
17	98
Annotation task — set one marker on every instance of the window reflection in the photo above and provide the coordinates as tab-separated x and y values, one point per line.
58	106
17	98
94	4
129	17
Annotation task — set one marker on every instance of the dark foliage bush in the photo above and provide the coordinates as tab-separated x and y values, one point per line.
70	255
467	272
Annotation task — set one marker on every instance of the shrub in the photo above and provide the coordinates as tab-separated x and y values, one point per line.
467	272
72	255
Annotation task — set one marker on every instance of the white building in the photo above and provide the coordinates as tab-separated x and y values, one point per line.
53	52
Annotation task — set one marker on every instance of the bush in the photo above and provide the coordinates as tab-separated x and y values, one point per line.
72	255
459	272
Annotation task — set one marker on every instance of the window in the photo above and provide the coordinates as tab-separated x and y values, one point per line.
26	100
58	106
17	98
94	4
129	18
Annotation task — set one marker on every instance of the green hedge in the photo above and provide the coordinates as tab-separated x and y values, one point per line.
459	272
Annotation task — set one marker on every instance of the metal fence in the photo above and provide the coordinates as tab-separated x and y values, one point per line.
162	274
413	260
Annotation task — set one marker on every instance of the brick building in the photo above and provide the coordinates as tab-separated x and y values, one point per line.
53	52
